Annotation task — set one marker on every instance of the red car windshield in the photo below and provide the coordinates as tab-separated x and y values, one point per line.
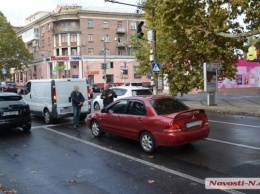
165	106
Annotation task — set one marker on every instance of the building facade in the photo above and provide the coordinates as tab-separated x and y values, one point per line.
73	43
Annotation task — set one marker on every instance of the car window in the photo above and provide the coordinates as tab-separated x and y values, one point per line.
137	84
141	92
127	84
168	106
120	92
28	87
10	83
136	108
118	108
10	98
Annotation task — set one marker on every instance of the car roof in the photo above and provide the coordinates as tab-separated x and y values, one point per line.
8	94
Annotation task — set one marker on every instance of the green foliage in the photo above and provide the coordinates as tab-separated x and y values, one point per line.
192	32
13	53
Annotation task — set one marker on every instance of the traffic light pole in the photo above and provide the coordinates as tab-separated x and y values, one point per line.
105	60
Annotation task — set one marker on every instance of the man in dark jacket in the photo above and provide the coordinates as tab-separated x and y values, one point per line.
77	102
108	96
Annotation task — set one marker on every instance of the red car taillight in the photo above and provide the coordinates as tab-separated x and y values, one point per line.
172	129
206	121
53	95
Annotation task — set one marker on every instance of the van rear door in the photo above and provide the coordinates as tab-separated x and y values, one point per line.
63	88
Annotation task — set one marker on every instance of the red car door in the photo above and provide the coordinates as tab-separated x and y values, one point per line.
134	120
111	122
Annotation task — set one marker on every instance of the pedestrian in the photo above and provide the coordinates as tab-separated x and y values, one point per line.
108	96
77	102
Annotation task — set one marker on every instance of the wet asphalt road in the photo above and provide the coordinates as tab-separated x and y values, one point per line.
58	159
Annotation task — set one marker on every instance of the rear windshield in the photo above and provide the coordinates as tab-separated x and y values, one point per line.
168	106
141	92
10	98
136	84
10	83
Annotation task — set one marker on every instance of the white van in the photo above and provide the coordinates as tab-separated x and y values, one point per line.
50	98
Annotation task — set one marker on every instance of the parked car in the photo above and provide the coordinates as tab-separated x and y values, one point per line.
50	98
95	88
152	120
8	86
121	92
14	112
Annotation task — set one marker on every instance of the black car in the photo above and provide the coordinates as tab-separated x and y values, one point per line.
8	86
14	112
95	88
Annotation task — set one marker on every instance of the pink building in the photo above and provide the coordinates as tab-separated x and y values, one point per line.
72	42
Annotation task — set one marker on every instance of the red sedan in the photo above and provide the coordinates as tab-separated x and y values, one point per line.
152	120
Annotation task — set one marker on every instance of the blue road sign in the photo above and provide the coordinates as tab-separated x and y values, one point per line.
4	71
156	67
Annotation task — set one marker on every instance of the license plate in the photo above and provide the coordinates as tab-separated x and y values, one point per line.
10	113
66	110
193	124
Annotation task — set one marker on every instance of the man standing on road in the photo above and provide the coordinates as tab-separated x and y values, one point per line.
77	101
108	96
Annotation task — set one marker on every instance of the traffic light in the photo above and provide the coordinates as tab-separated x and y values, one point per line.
125	72
139	32
103	65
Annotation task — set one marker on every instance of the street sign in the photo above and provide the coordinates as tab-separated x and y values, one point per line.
156	67
217	66
4	71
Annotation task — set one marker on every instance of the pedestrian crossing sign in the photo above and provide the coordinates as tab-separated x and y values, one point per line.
156	67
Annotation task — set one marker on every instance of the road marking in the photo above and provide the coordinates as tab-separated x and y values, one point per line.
235	144
168	170
52	125
253	126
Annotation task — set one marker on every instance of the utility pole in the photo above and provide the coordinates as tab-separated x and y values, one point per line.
105	60
155	75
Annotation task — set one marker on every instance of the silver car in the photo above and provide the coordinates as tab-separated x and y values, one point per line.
122	92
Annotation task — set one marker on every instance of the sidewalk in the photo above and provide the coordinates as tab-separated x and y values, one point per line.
242	104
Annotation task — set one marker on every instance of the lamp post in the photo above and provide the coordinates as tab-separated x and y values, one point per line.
105	60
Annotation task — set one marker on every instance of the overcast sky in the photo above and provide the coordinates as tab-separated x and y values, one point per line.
17	10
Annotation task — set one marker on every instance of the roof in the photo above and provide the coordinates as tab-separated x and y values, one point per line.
131	87
149	97
8	94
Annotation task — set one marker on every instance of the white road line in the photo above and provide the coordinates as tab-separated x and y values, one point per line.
243	125
234	144
52	125
168	170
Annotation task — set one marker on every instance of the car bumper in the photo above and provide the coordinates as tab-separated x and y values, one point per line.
182	137
14	122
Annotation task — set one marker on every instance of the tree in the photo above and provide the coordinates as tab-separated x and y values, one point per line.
190	32
13	53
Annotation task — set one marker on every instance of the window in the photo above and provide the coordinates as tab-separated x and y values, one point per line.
119	24
118	108
90	51
90	23
136	108
119	92
106	38
120	38
105	24
57	38
64	38
133	25
141	92
73	38
74	52
107	51
120	51
90	38
73	24
66	24
168	106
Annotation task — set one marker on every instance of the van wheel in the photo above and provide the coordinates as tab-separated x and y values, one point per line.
147	142
27	128
47	117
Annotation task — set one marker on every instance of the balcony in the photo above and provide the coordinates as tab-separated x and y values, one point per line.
120	30
120	44
66	29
